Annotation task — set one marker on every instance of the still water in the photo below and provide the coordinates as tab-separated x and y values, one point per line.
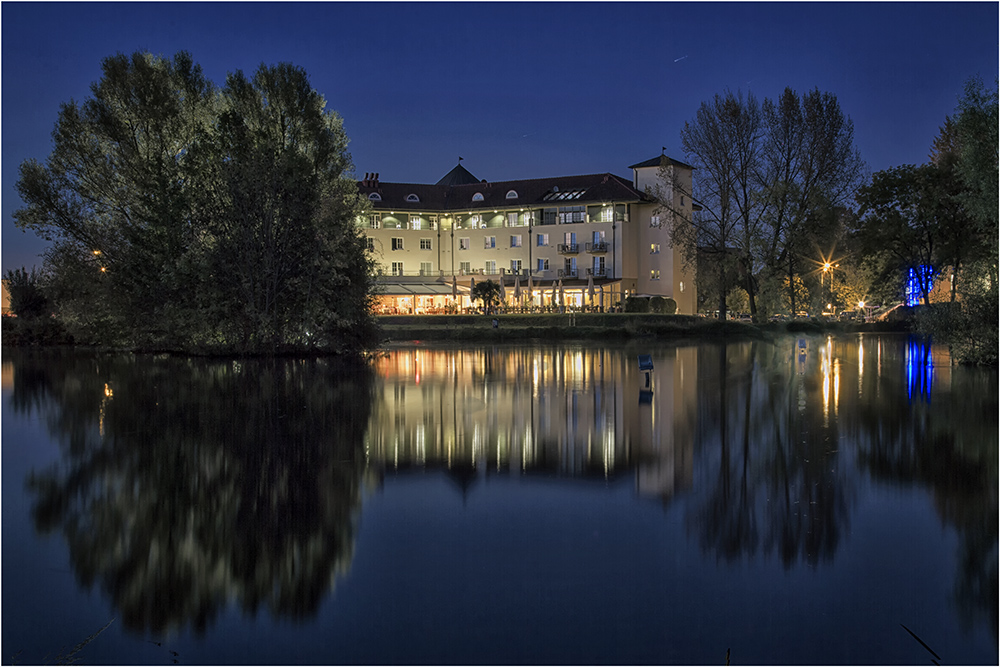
809	501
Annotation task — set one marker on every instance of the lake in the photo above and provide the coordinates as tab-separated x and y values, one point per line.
811	500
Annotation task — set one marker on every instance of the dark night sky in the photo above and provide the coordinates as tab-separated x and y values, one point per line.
519	90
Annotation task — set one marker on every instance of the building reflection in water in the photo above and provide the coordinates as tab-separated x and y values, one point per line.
565	411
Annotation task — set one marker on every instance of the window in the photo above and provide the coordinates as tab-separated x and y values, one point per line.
515	241
681	285
543	239
598	237
512	219
397	268
682	200
463	243
412	197
490	242
425	244
607	214
464	267
598	267
543	265
511	194
491	267
397	243
426	268
371	244
477	197
654	274
415	222
654	248
375	196
570	214
515	266
375	220
570	238
654	221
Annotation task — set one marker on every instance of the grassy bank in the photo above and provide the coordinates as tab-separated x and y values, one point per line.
599	326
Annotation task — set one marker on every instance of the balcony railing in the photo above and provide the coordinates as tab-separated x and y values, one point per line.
569	248
599	247
567	273
597	273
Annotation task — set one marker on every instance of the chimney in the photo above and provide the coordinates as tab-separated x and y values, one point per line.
375	179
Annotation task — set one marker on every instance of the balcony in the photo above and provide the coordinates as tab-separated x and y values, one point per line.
597	273
569	248
597	248
567	273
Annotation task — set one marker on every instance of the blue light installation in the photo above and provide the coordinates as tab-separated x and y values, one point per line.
924	272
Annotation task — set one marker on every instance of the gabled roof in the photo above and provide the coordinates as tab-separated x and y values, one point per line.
660	160
535	193
458	176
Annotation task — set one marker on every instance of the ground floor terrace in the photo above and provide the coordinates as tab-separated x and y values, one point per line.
453	295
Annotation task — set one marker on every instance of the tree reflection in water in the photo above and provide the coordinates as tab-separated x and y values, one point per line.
186	484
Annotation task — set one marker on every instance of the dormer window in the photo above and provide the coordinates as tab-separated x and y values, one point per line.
511	194
477	197
375	197
412	198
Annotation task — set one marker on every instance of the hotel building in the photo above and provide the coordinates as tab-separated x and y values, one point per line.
568	241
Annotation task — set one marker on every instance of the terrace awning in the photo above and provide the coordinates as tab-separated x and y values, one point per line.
420	289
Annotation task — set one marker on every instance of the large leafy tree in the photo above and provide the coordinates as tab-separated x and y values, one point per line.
113	195
190	216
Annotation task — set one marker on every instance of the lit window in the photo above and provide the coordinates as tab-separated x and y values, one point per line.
654	248
375	220
654	274
681	285
415	222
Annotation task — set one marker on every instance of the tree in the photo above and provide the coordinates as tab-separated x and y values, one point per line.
115	185
488	292
723	143
26	296
771	184
203	217
287	262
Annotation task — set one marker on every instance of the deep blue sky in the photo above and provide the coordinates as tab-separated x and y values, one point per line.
518	90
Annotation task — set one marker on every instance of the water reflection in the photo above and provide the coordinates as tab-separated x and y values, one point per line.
567	411
185	485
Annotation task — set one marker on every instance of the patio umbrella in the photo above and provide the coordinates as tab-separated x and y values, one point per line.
529	286
562	294
503	291
517	287
454	288
554	301
590	288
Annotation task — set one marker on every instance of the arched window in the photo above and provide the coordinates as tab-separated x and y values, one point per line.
511	194
375	196
412	197
477	197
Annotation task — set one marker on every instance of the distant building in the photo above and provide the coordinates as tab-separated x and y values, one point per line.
575	241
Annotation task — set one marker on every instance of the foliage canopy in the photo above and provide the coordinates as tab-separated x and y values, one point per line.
186	216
